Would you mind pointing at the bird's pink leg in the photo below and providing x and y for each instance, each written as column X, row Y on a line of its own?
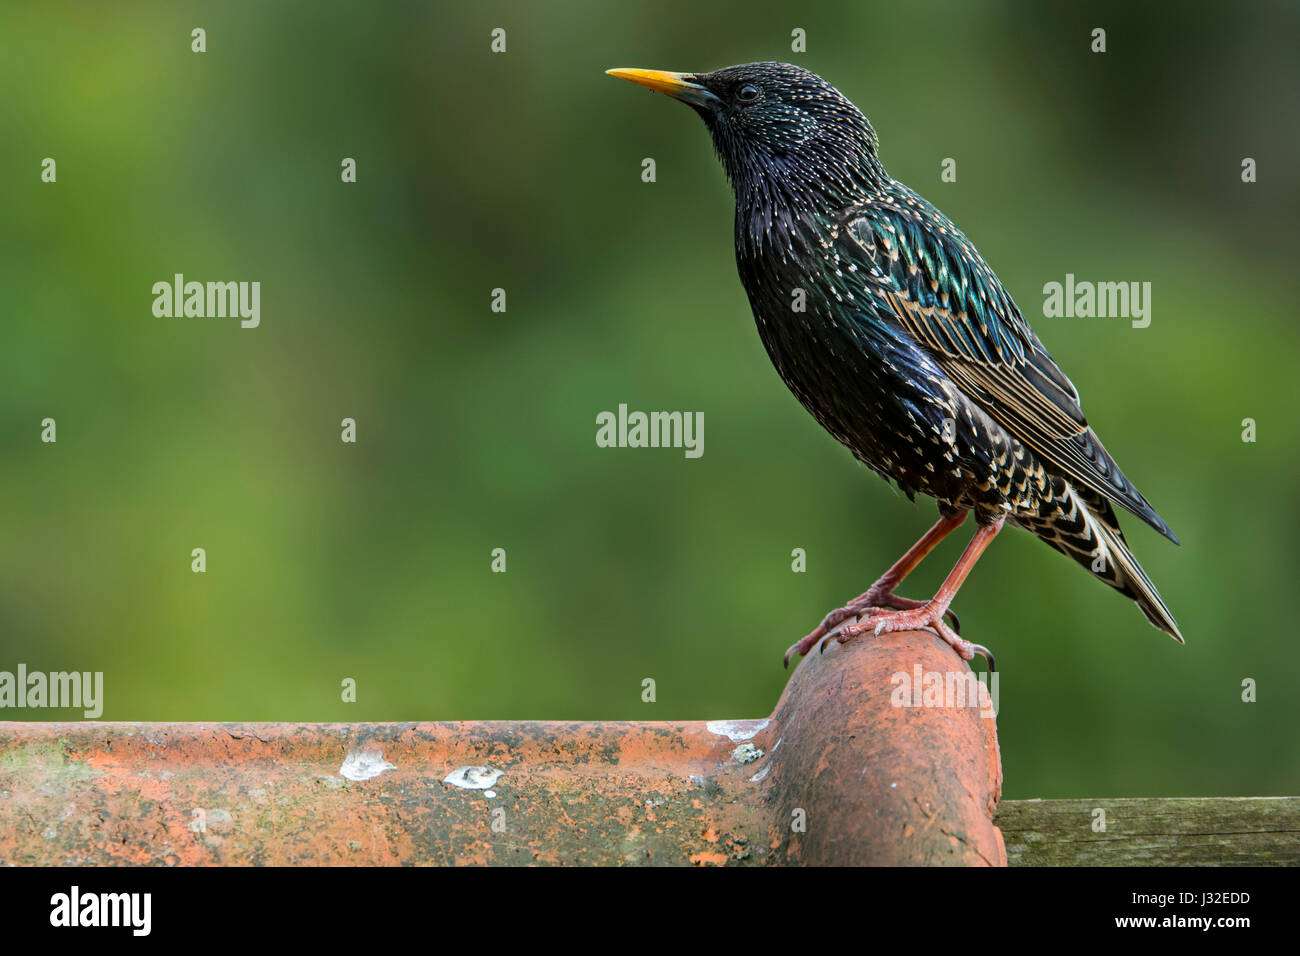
column 930, row 614
column 881, row 594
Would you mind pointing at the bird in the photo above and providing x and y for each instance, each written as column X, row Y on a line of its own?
column 889, row 327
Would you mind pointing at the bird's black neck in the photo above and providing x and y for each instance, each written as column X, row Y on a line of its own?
column 777, row 212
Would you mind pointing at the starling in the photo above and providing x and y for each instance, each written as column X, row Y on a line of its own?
column 889, row 327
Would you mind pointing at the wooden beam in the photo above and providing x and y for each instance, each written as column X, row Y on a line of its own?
column 1152, row 831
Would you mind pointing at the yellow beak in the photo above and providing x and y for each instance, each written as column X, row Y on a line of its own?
column 680, row 86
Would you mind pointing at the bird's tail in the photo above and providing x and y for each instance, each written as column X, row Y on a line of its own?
column 1087, row 531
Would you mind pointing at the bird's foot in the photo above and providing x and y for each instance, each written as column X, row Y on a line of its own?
column 929, row 615
column 874, row 598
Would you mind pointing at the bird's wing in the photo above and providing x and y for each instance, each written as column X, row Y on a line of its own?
column 921, row 268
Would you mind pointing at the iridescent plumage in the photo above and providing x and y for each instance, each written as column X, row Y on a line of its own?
column 889, row 327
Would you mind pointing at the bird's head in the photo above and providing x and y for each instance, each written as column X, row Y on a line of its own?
column 778, row 128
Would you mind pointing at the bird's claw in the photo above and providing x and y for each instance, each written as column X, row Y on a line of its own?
column 878, row 601
column 922, row 615
column 871, row 601
column 987, row 654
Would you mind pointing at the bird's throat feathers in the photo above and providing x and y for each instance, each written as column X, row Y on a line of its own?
column 775, row 192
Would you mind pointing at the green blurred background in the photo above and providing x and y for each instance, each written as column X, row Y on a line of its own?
column 476, row 429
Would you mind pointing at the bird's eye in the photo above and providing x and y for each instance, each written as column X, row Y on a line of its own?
column 747, row 93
